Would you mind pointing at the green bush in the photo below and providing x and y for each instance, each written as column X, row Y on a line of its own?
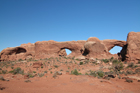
column 100, row 73
column 111, row 58
column 56, row 66
column 75, row 72
column 86, row 73
column 40, row 74
column 20, row 60
column 30, row 75
column 4, row 71
column 105, row 60
column 12, row 67
column 115, row 61
column 118, row 65
column 81, row 63
column 129, row 80
column 17, row 71
column 45, row 71
column 129, row 72
column 93, row 73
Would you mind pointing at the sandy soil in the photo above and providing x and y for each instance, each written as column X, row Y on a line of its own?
column 65, row 83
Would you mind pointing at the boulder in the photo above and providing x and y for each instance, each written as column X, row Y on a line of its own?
column 80, row 58
column 95, row 49
column 37, row 65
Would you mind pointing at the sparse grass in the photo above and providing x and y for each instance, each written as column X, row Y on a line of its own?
column 75, row 72
column 86, row 73
column 93, row 73
column 130, row 65
column 40, row 74
column 54, row 75
column 100, row 73
column 67, row 71
column 105, row 60
column 30, row 75
column 117, row 65
column 17, row 71
column 34, row 71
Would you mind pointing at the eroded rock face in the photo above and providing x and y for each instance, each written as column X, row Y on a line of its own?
column 111, row 43
column 133, row 47
column 92, row 48
column 15, row 53
column 46, row 49
column 100, row 49
column 41, row 50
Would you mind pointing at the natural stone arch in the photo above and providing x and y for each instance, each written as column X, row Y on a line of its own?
column 62, row 51
column 109, row 44
column 20, row 50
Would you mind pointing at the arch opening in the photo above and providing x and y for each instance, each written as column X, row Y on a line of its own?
column 68, row 51
column 64, row 52
column 115, row 50
column 20, row 50
column 86, row 52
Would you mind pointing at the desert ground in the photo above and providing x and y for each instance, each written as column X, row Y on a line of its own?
column 69, row 75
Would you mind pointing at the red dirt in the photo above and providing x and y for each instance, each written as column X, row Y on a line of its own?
column 65, row 83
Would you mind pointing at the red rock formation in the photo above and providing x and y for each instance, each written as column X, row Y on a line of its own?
column 92, row 48
column 111, row 43
column 100, row 49
column 133, row 47
column 46, row 49
column 15, row 53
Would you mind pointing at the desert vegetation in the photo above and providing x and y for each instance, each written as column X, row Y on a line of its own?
column 54, row 68
column 67, row 65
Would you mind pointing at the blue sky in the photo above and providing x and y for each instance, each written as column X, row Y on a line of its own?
column 24, row 21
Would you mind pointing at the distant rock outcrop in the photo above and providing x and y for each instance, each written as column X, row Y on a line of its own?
column 92, row 48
